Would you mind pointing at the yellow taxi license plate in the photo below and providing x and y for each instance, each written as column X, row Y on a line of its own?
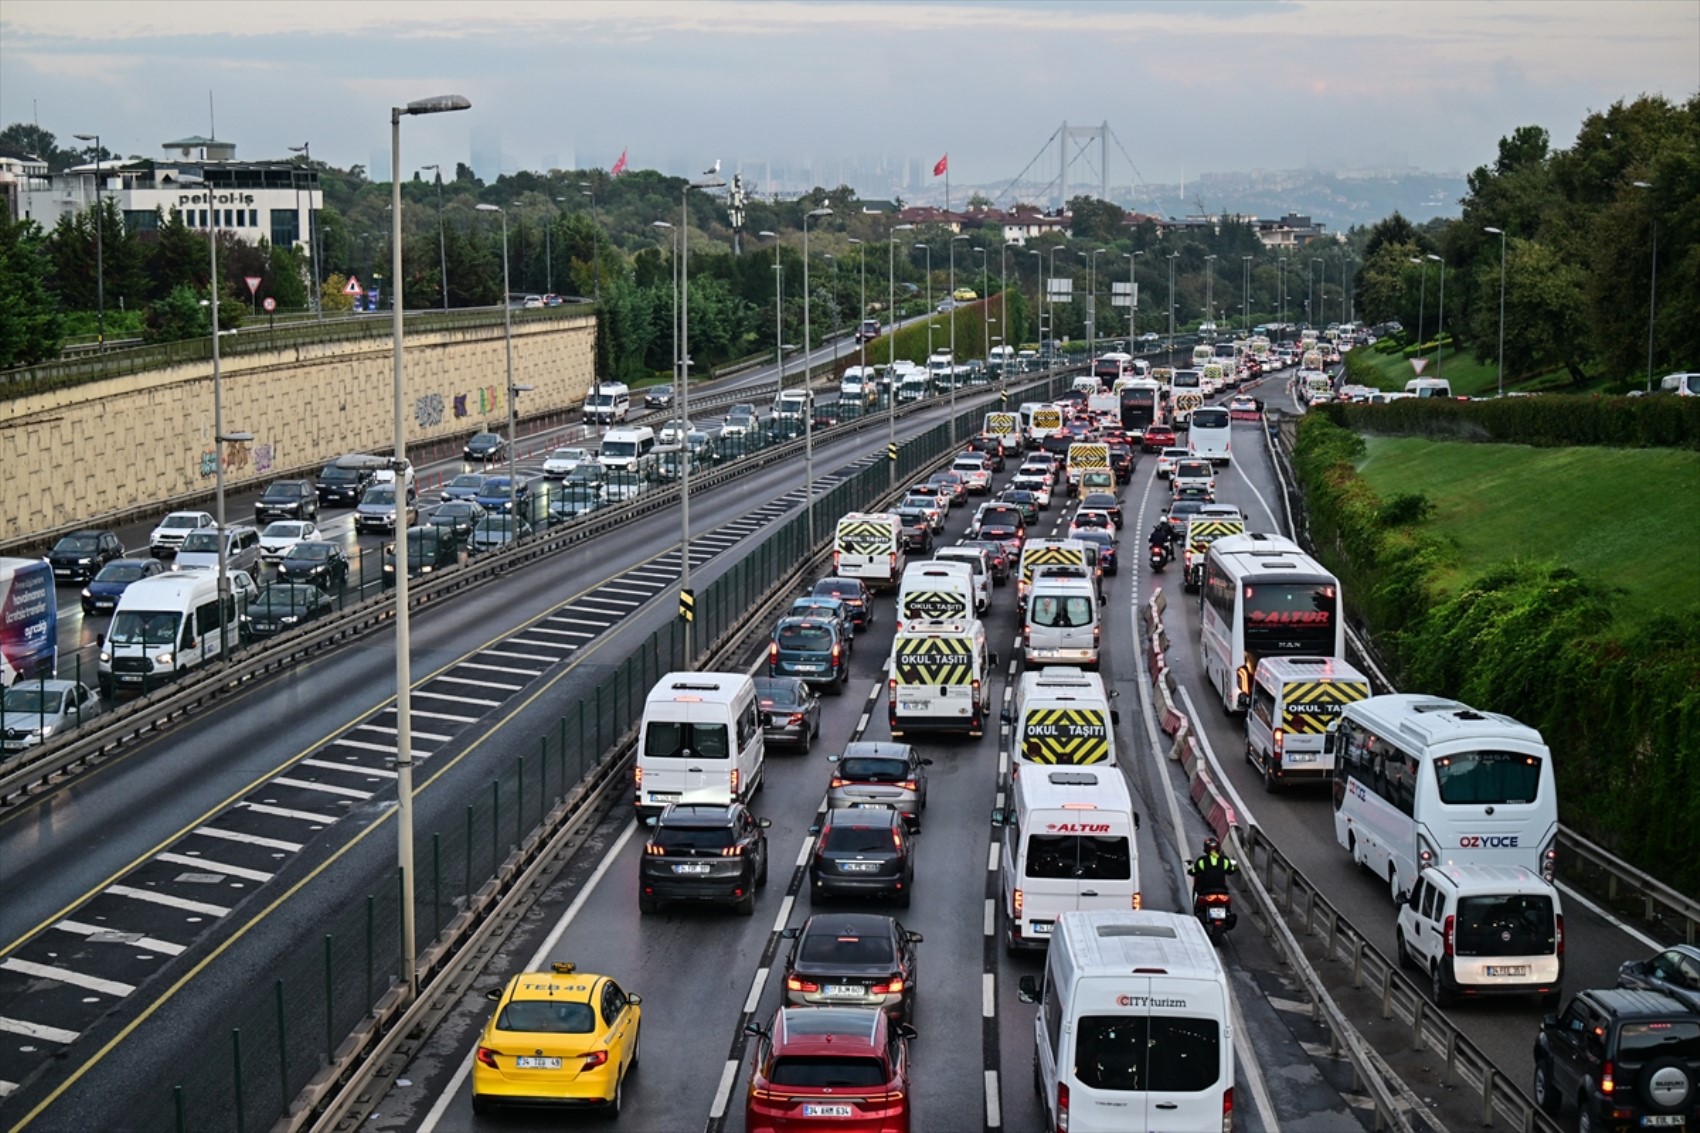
column 530, row 1062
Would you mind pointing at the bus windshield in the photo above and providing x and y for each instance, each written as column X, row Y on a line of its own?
column 1495, row 778
column 1209, row 418
column 1290, row 617
column 143, row 627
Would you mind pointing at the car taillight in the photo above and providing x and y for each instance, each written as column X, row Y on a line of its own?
column 837, row 782
column 732, row 851
column 837, row 652
column 897, row 838
column 637, row 776
column 1228, row 1110
column 655, row 851
column 773, row 653
column 1062, row 1107
column 1279, row 742
column 1608, row 1079
column 1558, row 937
column 1450, row 932
column 837, row 557
column 1018, row 902
column 792, row 983
column 1549, row 862
column 893, row 987
column 909, row 785
column 736, row 777
column 594, row 1059
column 795, row 718
column 488, row 1057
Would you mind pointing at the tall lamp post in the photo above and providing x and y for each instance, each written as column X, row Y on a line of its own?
column 305, row 149
column 953, row 370
column 403, row 667
column 709, row 180
column 1172, row 257
column 1210, row 289
column 1422, row 297
column 1003, row 299
column 587, row 189
column 99, row 245
column 1652, row 286
column 442, row 240
column 808, row 389
column 1500, row 232
column 1245, row 291
column 1317, row 313
column 778, row 307
column 220, row 439
column 1440, row 325
column 508, row 348
column 1132, row 259
column 861, row 341
column 986, row 303
column 891, row 353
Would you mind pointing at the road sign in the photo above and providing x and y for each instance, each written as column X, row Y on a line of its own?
column 1124, row 294
column 269, row 303
column 1417, row 364
column 688, row 605
column 253, row 282
column 1059, row 289
column 353, row 287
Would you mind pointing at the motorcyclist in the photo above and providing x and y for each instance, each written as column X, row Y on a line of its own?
column 1163, row 535
column 1211, row 870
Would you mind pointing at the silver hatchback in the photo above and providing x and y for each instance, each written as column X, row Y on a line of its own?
column 879, row 774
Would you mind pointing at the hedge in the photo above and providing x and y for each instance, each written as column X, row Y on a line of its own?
column 1543, row 420
column 1534, row 640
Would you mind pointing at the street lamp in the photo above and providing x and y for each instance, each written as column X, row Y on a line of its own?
column 891, row 354
column 1652, row 286
column 1500, row 232
column 587, row 189
column 1422, row 298
column 709, row 180
column 403, row 669
column 1315, row 312
column 1003, row 305
column 549, row 252
column 1210, row 289
column 985, row 303
column 1132, row 259
column 305, row 149
column 442, row 243
column 1245, row 292
column 778, row 308
column 508, row 346
column 99, row 245
column 1440, row 326
column 952, row 371
column 1172, row 257
column 808, row 394
column 861, row 340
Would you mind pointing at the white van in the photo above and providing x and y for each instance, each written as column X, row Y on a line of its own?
column 978, row 565
column 1134, row 1030
column 167, row 625
column 936, row 591
column 1293, row 701
column 1484, row 930
column 608, row 403
column 630, row 448
column 1068, row 843
column 869, row 546
column 1061, row 623
column 857, row 386
column 1429, row 387
column 940, row 678
column 939, row 365
column 700, row 741
column 200, row 549
column 1061, row 717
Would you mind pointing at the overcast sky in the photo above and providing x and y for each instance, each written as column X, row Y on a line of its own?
column 1186, row 87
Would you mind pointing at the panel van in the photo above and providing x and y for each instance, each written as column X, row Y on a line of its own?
column 165, row 626
column 700, row 741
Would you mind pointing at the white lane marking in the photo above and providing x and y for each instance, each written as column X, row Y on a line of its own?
column 784, row 913
column 1604, row 914
column 351, row 768
column 808, row 848
column 215, row 867
column 523, row 656
column 286, row 812
column 1253, row 1069
column 445, row 715
column 115, row 936
column 206, row 908
column 640, row 591
column 6, row 1088
column 248, row 839
column 594, row 603
column 862, row 724
column 479, row 684
column 753, row 1000
column 37, row 1031
column 546, row 629
column 994, row 1114
column 728, row 1076
column 988, row 995
column 452, row 1090
column 325, row 788
column 66, row 976
column 992, row 858
column 503, row 669
column 386, row 749
column 458, row 699
column 556, row 646
column 989, row 925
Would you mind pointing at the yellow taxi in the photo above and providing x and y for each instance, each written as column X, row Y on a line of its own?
column 558, row 1038
column 964, row 295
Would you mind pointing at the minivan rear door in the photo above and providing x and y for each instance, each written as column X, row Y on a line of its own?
column 1185, row 1033
column 684, row 761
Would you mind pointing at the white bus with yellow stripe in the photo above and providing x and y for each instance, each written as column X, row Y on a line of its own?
column 1293, row 701
column 869, row 546
column 939, row 678
column 1061, row 718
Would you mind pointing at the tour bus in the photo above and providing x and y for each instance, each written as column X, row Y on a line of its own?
column 166, row 625
column 701, row 741
column 1208, row 437
column 1111, row 366
column 1424, row 781
column 1264, row 597
column 1186, row 392
column 869, row 546
column 29, row 620
column 629, row 449
column 608, row 403
column 1139, row 400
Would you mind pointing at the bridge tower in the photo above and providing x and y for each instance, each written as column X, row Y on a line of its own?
column 1072, row 143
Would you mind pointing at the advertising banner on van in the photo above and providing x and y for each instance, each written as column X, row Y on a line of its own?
column 933, row 661
column 1065, row 735
column 1313, row 705
column 29, row 636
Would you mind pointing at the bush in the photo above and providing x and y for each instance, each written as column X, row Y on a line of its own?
column 1623, row 422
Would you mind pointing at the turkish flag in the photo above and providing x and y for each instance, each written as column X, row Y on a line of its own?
column 619, row 166
column 943, row 164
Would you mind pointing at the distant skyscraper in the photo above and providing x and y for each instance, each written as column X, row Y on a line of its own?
column 487, row 152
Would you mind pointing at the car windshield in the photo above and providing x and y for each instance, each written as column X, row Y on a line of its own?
column 872, row 769
column 1095, row 857
column 573, row 454
column 469, row 481
column 283, row 490
column 455, row 511
column 76, row 545
column 485, row 440
column 311, row 552
column 283, row 530
column 826, row 947
column 1496, row 778
column 547, row 1017
column 122, row 571
column 807, row 609
column 31, row 699
column 669, row 739
column 619, row 448
column 827, row 1071
column 828, row 588
column 144, row 627
column 1511, row 925
column 181, row 521
column 203, row 540
column 693, row 837
column 812, row 639
column 379, row 497
column 857, row 839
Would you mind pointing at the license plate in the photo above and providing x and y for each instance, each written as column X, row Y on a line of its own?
column 532, row 1062
column 912, row 705
column 859, row 867
column 1299, row 757
column 1509, row 970
column 1665, row 1120
column 693, row 868
column 664, row 796
column 1218, row 914
column 129, row 679
column 845, row 991
column 1041, row 928
column 811, row 1110
column 807, row 668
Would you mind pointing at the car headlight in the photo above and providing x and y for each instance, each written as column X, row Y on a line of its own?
column 105, row 657
column 44, row 731
column 87, row 593
column 163, row 658
column 289, row 619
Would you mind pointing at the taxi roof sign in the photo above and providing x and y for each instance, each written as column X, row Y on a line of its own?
column 563, row 967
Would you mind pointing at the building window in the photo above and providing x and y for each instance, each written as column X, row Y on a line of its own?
column 229, row 220
column 253, row 218
column 285, row 228
column 241, row 218
column 203, row 221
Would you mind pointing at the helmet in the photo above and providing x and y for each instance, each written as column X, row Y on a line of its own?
column 1211, row 846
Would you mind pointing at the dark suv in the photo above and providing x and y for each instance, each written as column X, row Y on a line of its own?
column 863, row 852
column 1626, row 1058
column 287, row 499
column 704, row 852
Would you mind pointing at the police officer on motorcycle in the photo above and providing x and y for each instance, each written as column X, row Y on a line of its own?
column 1163, row 535
column 1211, row 870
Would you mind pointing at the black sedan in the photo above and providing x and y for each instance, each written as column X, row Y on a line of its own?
column 1103, row 501
column 456, row 519
column 790, row 711
column 917, row 528
column 859, row 959
column 79, row 556
column 323, row 564
column 283, row 605
column 853, row 592
column 1026, row 501
column 486, row 447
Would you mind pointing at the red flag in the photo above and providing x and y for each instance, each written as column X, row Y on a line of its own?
column 619, row 166
column 943, row 164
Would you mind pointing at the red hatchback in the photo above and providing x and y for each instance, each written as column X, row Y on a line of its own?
column 1158, row 438
column 840, row 1068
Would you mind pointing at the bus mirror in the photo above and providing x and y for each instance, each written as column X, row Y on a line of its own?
column 1328, row 743
column 998, row 816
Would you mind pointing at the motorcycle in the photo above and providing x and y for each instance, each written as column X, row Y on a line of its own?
column 1215, row 911
column 1159, row 556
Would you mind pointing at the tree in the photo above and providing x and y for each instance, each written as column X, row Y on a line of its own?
column 332, row 300
column 30, row 329
column 178, row 316
column 1093, row 219
column 1384, row 284
column 32, row 139
column 979, row 201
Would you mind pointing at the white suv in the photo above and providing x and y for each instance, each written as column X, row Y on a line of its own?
column 174, row 528
column 1484, row 930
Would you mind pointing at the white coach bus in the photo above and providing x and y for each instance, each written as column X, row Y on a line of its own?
column 1264, row 597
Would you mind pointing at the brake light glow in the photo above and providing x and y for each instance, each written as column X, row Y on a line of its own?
column 1062, row 1107
column 896, row 838
column 837, row 654
column 773, row 653
column 1450, row 932
column 893, row 987
column 1280, row 742
column 795, row 718
column 736, row 776
column 1138, row 899
column 488, row 1057
column 1018, row 902
column 1608, row 1079
column 1228, row 1110
column 655, row 851
column 732, row 851
column 909, row 785
column 792, row 983
column 837, row 782
column 594, row 1059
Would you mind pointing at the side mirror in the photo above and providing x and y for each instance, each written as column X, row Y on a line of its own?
column 1115, row 693
column 764, row 823
column 905, row 1031
column 1549, row 1021
column 1328, row 743
column 1136, row 820
column 1027, row 989
column 926, row 762
column 754, row 1029
column 915, row 938
column 100, row 641
column 1115, row 717
column 1007, row 716
column 833, row 758
column 634, row 998
column 1000, row 816
column 493, row 993
column 652, row 820
column 815, row 829
column 790, row 933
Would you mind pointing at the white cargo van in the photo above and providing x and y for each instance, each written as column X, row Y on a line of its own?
column 1061, row 717
column 700, row 741
column 978, row 564
column 1134, row 1031
column 1061, row 622
column 630, row 449
column 936, row 591
column 869, row 546
column 858, row 387
column 608, row 403
column 940, row 678
column 1429, row 387
column 166, row 625
column 1068, row 843
column 1478, row 930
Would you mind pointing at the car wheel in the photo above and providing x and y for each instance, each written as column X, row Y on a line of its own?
column 483, row 1105
column 1437, row 988
column 647, row 905
column 637, row 1050
column 761, row 878
column 1551, row 1001
column 1545, row 1095
column 1584, row 1119
column 746, row 905
column 615, row 1103
column 1405, row 960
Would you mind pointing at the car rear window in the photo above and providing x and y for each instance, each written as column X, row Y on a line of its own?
column 1061, row 613
column 1642, row 1041
column 547, row 1016
column 694, row 837
column 1078, row 856
column 680, row 740
column 809, row 638
column 1136, row 1053
column 857, row 839
column 870, row 769
column 820, row 1072
column 1512, row 925
column 841, row 948
column 121, row 572
column 778, row 696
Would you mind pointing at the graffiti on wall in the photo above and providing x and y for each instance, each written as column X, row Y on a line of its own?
column 238, row 456
column 428, row 410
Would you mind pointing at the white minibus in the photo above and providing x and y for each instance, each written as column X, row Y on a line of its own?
column 700, row 741
column 630, row 449
column 166, row 625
